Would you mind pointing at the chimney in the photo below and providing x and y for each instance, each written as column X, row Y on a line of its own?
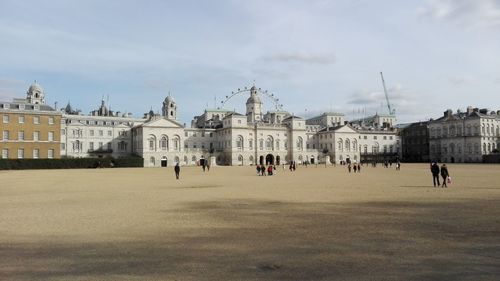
column 469, row 110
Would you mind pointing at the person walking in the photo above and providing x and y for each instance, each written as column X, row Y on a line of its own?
column 359, row 168
column 435, row 173
column 270, row 170
column 349, row 167
column 177, row 170
column 444, row 175
column 258, row 170
column 355, row 167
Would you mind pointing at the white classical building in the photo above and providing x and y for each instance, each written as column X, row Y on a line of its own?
column 464, row 136
column 100, row 134
column 222, row 137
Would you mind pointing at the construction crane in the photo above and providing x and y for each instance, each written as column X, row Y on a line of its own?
column 391, row 111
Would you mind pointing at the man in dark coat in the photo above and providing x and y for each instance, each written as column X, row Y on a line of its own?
column 435, row 173
column 177, row 170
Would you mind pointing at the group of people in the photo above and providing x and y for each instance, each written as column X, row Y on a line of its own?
column 435, row 170
column 261, row 170
column 356, row 167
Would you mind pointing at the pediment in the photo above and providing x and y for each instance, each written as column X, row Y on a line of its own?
column 162, row 123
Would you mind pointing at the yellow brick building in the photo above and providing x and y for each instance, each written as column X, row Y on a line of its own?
column 30, row 129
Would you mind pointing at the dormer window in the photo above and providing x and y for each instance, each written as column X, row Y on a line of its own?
column 36, row 107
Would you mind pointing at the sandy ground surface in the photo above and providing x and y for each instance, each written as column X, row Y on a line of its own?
column 230, row 224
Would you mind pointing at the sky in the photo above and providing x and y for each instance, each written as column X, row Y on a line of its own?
column 315, row 56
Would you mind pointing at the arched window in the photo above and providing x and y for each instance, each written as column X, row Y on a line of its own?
column 251, row 160
column 152, row 142
column 452, row 148
column 261, row 144
column 185, row 160
column 193, row 159
column 152, row 161
column 164, row 143
column 354, row 145
column 269, row 143
column 239, row 143
column 489, row 148
column 347, row 145
column 300, row 143
column 484, row 148
column 176, row 143
column 340, row 144
column 277, row 144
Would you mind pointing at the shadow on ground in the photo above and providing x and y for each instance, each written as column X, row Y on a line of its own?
column 287, row 241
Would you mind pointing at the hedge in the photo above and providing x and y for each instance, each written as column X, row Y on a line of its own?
column 70, row 163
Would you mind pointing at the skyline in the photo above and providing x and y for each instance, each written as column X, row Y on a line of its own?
column 313, row 55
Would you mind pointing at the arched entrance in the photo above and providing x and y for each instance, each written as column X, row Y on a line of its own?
column 164, row 161
column 278, row 160
column 261, row 160
column 269, row 159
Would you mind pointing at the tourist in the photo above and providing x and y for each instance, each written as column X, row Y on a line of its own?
column 262, row 170
column 177, row 170
column 398, row 166
column 293, row 166
column 359, row 168
column 444, row 174
column 349, row 167
column 270, row 170
column 435, row 173
column 355, row 167
column 258, row 170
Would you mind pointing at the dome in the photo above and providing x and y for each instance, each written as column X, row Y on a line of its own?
column 169, row 99
column 254, row 99
column 35, row 87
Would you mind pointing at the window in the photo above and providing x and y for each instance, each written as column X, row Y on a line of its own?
column 50, row 153
column 109, row 146
column 91, row 133
column 51, row 120
column 51, row 136
column 164, row 143
column 5, row 153
column 20, row 135
column 63, row 146
column 63, row 132
column 36, row 136
column 36, row 119
column 5, row 135
column 21, row 119
column 6, row 119
column 110, row 133
column 374, row 137
column 101, row 133
column 36, row 153
column 20, row 153
column 91, row 146
column 100, row 145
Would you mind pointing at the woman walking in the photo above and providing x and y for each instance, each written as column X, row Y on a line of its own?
column 445, row 175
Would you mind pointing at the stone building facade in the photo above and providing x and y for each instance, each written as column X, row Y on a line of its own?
column 30, row 128
column 464, row 136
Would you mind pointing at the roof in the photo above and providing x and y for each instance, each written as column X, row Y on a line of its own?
column 27, row 106
column 293, row 117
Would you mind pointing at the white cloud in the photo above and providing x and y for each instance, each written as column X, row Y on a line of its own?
column 472, row 14
column 301, row 57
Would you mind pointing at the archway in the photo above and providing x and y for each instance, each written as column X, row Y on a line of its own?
column 278, row 160
column 269, row 159
column 261, row 160
column 164, row 161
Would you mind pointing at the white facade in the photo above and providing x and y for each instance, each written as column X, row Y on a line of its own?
column 96, row 136
column 464, row 136
column 227, row 137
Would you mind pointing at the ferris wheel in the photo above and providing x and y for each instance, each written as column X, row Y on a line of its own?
column 276, row 101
